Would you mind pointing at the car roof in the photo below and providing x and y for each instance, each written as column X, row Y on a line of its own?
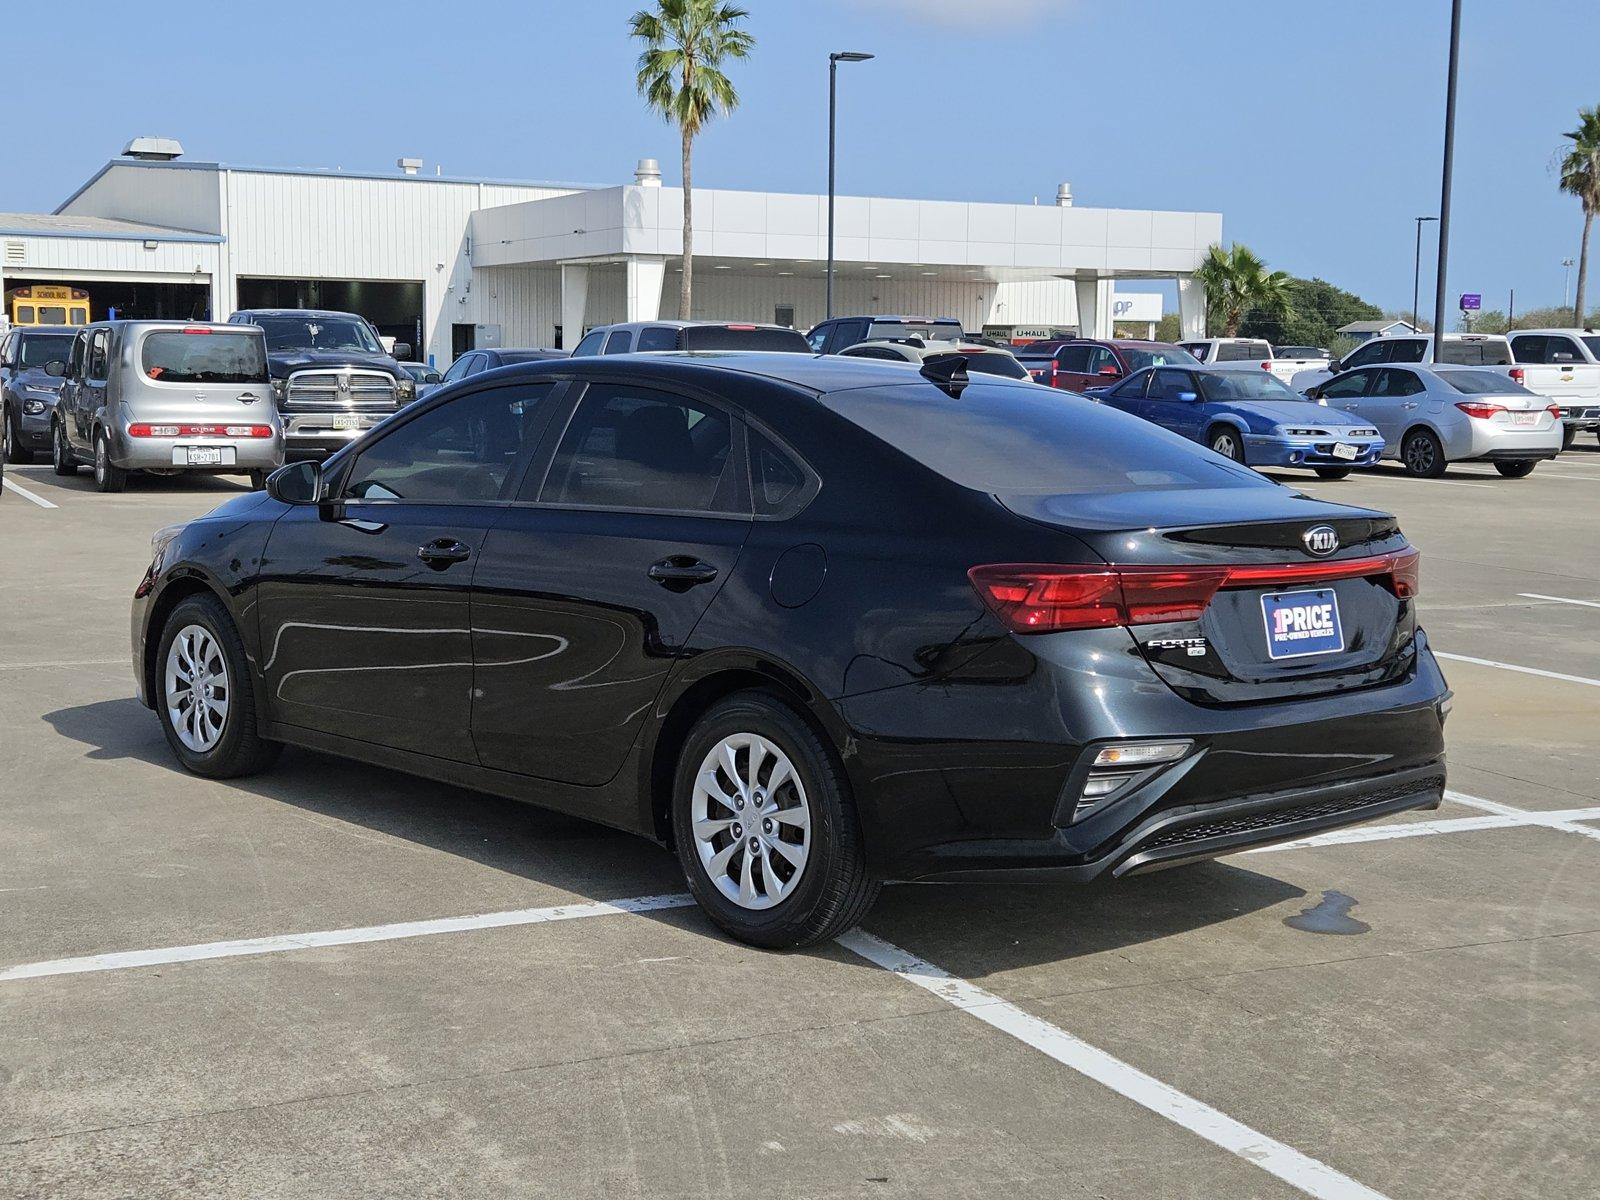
column 1569, row 329
column 675, row 324
column 25, row 330
column 295, row 312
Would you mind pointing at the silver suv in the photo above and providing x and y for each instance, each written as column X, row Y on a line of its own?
column 166, row 397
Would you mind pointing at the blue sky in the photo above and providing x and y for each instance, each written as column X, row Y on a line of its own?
column 1314, row 128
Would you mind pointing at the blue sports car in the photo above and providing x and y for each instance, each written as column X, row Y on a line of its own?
column 1248, row 416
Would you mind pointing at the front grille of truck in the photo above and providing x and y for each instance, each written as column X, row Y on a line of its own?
column 352, row 390
column 1258, row 821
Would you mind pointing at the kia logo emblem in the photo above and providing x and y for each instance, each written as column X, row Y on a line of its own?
column 1321, row 540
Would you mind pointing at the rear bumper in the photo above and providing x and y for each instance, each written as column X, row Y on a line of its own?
column 159, row 454
column 1584, row 415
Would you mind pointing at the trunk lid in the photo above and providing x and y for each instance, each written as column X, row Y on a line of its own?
column 1284, row 621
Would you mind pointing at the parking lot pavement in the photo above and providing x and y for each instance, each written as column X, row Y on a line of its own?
column 1407, row 1011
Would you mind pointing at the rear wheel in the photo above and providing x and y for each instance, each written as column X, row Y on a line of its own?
column 203, row 693
column 766, row 828
column 108, row 477
column 1227, row 442
column 1423, row 454
column 1333, row 472
column 11, row 439
column 258, row 481
column 1515, row 470
column 61, row 460
column 1569, row 434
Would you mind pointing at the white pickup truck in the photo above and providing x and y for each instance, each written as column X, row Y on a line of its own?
column 1563, row 364
column 1248, row 354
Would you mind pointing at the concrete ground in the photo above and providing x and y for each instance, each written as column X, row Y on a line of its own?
column 1399, row 1016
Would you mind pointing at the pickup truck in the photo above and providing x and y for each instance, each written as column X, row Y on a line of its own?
column 1563, row 364
column 1242, row 354
column 1573, row 386
column 332, row 379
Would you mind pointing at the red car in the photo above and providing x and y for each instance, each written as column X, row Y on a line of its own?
column 1087, row 362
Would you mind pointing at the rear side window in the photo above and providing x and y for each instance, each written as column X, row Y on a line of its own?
column 1481, row 383
column 1073, row 359
column 222, row 356
column 1410, row 350
column 778, row 482
column 1491, row 352
column 590, row 343
column 748, row 337
column 1243, row 351
column 618, row 342
column 658, row 337
column 636, row 448
column 1008, row 439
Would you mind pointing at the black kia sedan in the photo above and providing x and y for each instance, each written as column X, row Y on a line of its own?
column 814, row 623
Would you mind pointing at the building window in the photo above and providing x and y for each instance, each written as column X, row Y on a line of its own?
column 783, row 314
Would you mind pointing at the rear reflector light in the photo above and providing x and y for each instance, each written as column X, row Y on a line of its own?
column 1040, row 598
column 1518, row 375
column 1478, row 409
column 172, row 431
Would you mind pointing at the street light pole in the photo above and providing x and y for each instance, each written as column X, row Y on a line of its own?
column 1444, row 186
column 1416, row 274
column 833, row 107
column 1566, row 281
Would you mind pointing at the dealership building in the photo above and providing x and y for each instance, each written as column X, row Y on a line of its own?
column 447, row 263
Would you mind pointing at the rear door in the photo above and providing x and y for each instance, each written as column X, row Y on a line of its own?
column 588, row 590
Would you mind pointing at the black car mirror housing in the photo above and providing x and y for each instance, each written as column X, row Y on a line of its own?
column 55, row 368
column 298, row 483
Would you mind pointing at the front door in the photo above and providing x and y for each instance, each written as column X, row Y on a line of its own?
column 365, row 602
column 1348, row 393
column 1172, row 402
column 587, row 592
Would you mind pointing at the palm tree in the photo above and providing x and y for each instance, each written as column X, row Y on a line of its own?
column 1236, row 281
column 680, row 77
column 1580, row 177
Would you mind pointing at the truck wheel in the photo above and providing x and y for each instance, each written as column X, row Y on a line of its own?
column 108, row 477
column 1569, row 434
column 258, row 481
column 765, row 826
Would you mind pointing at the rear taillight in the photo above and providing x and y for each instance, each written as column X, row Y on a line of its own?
column 1518, row 375
column 1478, row 409
column 1055, row 373
column 172, row 431
column 1266, row 366
column 1554, row 410
column 1043, row 598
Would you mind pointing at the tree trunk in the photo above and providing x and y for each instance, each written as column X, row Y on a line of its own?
column 686, row 282
column 1583, row 268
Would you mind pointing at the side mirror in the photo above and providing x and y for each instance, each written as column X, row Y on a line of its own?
column 297, row 483
column 1188, row 397
column 402, row 351
column 55, row 368
column 1313, row 393
column 1109, row 373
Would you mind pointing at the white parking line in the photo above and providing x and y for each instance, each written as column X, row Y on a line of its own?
column 1511, row 818
column 1560, row 599
column 1288, row 1164
column 1489, row 662
column 55, row 663
column 27, row 495
column 341, row 937
column 1564, row 818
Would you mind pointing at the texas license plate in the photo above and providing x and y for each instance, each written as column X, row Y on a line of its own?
column 1302, row 623
column 1524, row 418
column 205, row 456
column 1346, row 450
column 346, row 421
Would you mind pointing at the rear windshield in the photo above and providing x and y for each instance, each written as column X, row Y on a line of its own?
column 1593, row 343
column 1481, row 383
column 1242, row 351
column 996, row 364
column 1491, row 352
column 1245, row 385
column 38, row 350
column 1010, row 438
column 928, row 331
column 731, row 337
column 1171, row 356
column 205, row 357
column 522, row 356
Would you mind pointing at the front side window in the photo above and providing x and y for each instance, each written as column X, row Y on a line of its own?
column 204, row 356
column 319, row 333
column 818, row 338
column 1409, row 350
column 618, row 342
column 590, row 344
column 458, row 369
column 1132, row 388
column 637, row 448
column 80, row 351
column 462, row 451
column 1347, row 387
column 1372, row 352
column 98, row 359
column 1100, row 358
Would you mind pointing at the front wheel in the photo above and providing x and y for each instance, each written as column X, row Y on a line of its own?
column 1333, row 472
column 1423, row 454
column 1515, row 470
column 766, row 828
column 11, row 440
column 108, row 477
column 203, row 693
column 1226, row 442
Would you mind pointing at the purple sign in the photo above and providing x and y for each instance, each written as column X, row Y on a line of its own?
column 1471, row 301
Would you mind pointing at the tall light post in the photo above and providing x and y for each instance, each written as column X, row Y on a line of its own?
column 1566, row 281
column 1416, row 274
column 834, row 60
column 1444, row 186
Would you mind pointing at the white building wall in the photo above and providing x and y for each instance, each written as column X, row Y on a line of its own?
column 176, row 197
column 119, row 258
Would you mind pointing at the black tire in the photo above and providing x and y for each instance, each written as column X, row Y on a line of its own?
column 1515, row 470
column 11, row 434
column 240, row 750
column 108, row 477
column 1423, row 454
column 1226, row 441
column 1569, row 434
column 61, row 460
column 1334, row 472
column 834, row 889
column 258, row 481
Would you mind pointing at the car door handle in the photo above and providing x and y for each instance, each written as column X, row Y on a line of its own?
column 442, row 552
column 680, row 572
column 1409, row 404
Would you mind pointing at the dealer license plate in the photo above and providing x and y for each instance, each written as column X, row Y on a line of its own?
column 1302, row 623
column 1524, row 418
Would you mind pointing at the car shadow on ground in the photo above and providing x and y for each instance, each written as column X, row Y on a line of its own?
column 974, row 929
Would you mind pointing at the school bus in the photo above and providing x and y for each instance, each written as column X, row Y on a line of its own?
column 43, row 304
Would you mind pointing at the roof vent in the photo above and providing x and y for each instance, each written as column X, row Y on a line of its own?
column 409, row 165
column 154, row 149
column 647, row 173
column 1064, row 196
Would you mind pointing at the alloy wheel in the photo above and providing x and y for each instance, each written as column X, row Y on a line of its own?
column 58, row 447
column 1223, row 444
column 102, row 460
column 751, row 821
column 1419, row 455
column 197, row 689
